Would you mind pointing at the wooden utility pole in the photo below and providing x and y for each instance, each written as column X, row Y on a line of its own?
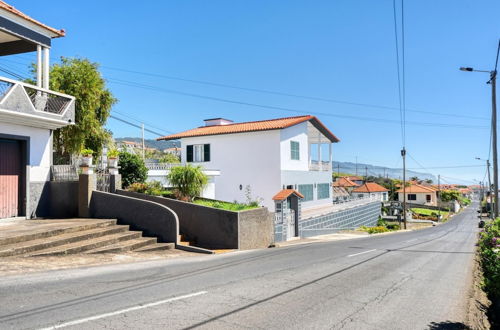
column 493, row 79
column 439, row 196
column 489, row 188
column 403, row 154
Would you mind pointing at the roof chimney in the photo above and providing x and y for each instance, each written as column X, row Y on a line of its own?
column 217, row 122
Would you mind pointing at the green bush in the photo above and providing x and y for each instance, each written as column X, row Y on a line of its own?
column 188, row 181
column 392, row 227
column 489, row 251
column 132, row 169
column 381, row 222
column 377, row 230
column 225, row 205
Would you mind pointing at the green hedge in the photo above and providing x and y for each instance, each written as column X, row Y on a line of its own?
column 489, row 251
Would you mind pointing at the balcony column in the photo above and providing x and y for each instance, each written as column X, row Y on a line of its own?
column 39, row 65
column 320, row 164
column 309, row 154
column 46, row 67
column 330, row 158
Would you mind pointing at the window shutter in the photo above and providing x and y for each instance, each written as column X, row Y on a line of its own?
column 206, row 152
column 189, row 154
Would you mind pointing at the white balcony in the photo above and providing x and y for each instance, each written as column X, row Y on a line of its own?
column 320, row 166
column 29, row 105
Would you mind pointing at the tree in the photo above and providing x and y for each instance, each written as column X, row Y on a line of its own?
column 82, row 79
column 188, row 181
column 449, row 195
column 132, row 169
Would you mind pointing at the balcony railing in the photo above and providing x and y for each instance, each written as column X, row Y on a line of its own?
column 14, row 94
column 320, row 166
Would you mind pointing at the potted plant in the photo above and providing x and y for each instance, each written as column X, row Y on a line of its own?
column 86, row 157
column 113, row 158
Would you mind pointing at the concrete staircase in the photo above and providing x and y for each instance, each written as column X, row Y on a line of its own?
column 78, row 236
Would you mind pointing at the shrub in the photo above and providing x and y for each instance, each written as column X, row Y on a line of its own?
column 188, row 181
column 137, row 187
column 377, row 230
column 489, row 251
column 381, row 222
column 393, row 227
column 132, row 169
column 86, row 152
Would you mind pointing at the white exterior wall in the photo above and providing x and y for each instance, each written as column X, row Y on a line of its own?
column 295, row 172
column 421, row 198
column 382, row 195
column 40, row 149
column 296, row 133
column 251, row 159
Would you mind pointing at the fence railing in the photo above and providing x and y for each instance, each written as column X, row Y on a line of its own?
column 42, row 99
column 63, row 173
column 320, row 166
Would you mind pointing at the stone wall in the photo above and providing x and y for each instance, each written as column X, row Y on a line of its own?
column 213, row 228
column 153, row 219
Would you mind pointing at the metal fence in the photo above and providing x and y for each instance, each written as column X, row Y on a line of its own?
column 63, row 173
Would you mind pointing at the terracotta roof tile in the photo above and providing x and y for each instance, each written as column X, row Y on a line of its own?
column 344, row 182
column 417, row 188
column 252, row 126
column 282, row 195
column 9, row 8
column 369, row 187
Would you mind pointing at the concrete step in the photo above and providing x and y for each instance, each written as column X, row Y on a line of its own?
column 130, row 245
column 44, row 233
column 156, row 247
column 28, row 247
column 90, row 244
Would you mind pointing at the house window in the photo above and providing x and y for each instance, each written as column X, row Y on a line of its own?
column 307, row 191
column 323, row 190
column 198, row 153
column 295, row 150
column 412, row 197
column 428, row 198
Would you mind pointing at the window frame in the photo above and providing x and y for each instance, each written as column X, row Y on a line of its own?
column 294, row 152
column 323, row 185
column 198, row 153
column 306, row 194
column 412, row 199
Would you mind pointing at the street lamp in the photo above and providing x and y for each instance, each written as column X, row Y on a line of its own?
column 492, row 81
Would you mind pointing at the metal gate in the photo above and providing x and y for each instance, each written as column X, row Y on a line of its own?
column 10, row 177
column 102, row 176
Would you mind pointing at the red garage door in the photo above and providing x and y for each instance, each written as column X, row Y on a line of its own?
column 10, row 177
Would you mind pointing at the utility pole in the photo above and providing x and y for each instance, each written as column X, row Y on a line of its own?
column 143, row 145
column 338, row 170
column 493, row 79
column 439, row 196
column 356, row 165
column 489, row 187
column 403, row 154
column 366, row 173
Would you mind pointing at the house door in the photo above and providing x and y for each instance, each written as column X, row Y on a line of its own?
column 10, row 177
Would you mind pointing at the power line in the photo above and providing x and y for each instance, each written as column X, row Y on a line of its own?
column 315, row 98
column 121, row 113
column 404, row 73
column 286, row 109
column 134, row 125
column 398, row 69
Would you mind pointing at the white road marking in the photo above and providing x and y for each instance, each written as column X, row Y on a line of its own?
column 357, row 254
column 122, row 311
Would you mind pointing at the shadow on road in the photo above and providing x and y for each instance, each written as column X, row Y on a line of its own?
column 448, row 325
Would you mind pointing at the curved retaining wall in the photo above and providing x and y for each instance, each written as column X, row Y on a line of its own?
column 213, row 228
column 153, row 219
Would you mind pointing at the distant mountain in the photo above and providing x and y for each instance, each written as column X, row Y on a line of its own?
column 395, row 173
column 150, row 143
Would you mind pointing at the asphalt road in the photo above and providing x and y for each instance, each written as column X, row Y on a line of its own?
column 412, row 280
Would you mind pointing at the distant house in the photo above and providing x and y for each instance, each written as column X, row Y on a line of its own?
column 346, row 183
column 173, row 151
column 262, row 158
column 371, row 189
column 356, row 179
column 419, row 194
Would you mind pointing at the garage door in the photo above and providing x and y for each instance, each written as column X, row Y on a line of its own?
column 10, row 177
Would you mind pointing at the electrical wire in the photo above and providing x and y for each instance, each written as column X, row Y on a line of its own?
column 134, row 125
column 396, row 38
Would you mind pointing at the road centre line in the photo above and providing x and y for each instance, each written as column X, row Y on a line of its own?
column 357, row 254
column 122, row 311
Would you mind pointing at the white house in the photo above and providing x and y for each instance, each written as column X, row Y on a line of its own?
column 371, row 189
column 264, row 157
column 419, row 194
column 28, row 116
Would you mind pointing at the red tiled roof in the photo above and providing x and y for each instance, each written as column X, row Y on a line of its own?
column 282, row 195
column 369, row 187
column 252, row 126
column 344, row 182
column 417, row 188
column 355, row 178
column 9, row 8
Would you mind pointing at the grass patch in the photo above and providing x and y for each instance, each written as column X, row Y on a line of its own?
column 225, row 205
column 430, row 213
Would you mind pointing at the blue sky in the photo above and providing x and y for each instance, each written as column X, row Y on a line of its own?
column 336, row 50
